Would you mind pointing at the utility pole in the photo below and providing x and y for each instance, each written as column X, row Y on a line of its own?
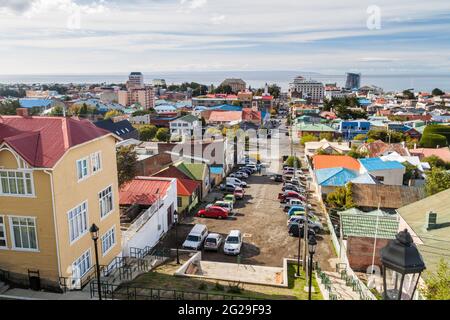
column 305, row 229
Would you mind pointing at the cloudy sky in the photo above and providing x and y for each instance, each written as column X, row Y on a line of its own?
column 327, row 36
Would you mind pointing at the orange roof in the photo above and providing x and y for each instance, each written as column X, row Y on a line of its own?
column 443, row 153
column 250, row 114
column 333, row 161
column 225, row 116
column 143, row 190
column 186, row 187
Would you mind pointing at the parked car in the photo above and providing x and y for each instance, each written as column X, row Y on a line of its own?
column 227, row 187
column 296, row 229
column 288, row 170
column 213, row 212
column 239, row 175
column 230, row 198
column 290, row 202
column 253, row 167
column 291, row 187
column 233, row 243
column 239, row 193
column 236, row 182
column 295, row 182
column 314, row 225
column 196, row 236
column 283, row 196
column 223, row 204
column 278, row 178
column 248, row 171
column 213, row 242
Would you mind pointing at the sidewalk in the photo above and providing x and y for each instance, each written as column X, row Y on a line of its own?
column 24, row 294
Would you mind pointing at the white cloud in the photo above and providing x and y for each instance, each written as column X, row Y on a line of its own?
column 217, row 19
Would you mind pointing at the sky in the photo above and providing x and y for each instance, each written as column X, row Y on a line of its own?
column 325, row 36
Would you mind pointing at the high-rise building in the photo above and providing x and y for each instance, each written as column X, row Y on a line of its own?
column 353, row 81
column 237, row 85
column 135, row 79
column 307, row 89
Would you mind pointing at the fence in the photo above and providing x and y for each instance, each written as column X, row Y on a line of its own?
column 352, row 280
column 127, row 292
column 325, row 285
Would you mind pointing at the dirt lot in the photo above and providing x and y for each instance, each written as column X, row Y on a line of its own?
column 263, row 224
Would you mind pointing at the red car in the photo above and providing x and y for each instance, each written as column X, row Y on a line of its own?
column 290, row 194
column 213, row 212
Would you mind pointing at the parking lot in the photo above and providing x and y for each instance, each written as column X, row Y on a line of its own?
column 263, row 225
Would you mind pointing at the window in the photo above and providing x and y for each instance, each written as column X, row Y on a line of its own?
column 78, row 224
column 108, row 240
column 23, row 231
column 179, row 202
column 2, row 232
column 379, row 178
column 81, row 265
column 16, row 183
column 82, row 168
column 96, row 162
column 105, row 198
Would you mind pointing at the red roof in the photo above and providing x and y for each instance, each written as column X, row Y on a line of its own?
column 42, row 141
column 333, row 161
column 143, row 190
column 249, row 114
column 172, row 172
column 443, row 153
column 186, row 187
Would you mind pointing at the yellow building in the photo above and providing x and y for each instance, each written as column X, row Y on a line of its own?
column 58, row 176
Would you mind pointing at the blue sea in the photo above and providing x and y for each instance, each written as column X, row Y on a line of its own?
column 255, row 79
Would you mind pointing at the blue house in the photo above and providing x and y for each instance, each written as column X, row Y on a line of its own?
column 351, row 128
column 37, row 104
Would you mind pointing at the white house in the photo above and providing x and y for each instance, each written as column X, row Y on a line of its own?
column 147, row 208
column 186, row 126
column 386, row 172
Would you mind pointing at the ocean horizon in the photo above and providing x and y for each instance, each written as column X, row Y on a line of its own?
column 255, row 79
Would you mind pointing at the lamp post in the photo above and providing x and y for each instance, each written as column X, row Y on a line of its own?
column 94, row 234
column 312, row 244
column 402, row 265
column 299, row 252
column 175, row 218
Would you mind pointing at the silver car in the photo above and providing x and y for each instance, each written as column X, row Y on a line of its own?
column 213, row 242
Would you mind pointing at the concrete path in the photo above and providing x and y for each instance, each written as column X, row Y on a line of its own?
column 338, row 285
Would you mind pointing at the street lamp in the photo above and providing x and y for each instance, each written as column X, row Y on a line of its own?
column 312, row 244
column 299, row 252
column 402, row 265
column 94, row 235
column 175, row 218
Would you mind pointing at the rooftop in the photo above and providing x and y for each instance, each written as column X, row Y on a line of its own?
column 372, row 224
column 143, row 190
column 335, row 161
column 335, row 176
column 302, row 126
column 375, row 164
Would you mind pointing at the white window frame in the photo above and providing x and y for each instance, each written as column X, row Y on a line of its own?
column 94, row 157
column 13, row 239
column 108, row 234
column 24, row 172
column 100, row 198
column 3, row 225
column 90, row 264
column 84, row 177
column 80, row 235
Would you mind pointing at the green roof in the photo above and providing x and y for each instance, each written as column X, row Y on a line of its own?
column 319, row 127
column 372, row 224
column 188, row 118
column 193, row 170
column 433, row 244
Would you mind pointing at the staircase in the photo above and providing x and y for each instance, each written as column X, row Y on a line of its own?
column 340, row 287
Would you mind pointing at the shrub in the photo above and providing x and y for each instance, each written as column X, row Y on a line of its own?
column 203, row 286
column 234, row 288
column 219, row 287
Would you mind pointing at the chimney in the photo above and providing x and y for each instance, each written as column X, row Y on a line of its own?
column 22, row 112
column 431, row 222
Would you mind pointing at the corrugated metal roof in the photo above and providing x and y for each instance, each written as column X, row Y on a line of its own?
column 143, row 191
column 334, row 176
column 375, row 164
column 369, row 224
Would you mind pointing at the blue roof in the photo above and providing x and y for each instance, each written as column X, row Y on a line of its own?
column 364, row 101
column 31, row 103
column 165, row 106
column 374, row 164
column 364, row 178
column 226, row 107
column 216, row 170
column 335, row 176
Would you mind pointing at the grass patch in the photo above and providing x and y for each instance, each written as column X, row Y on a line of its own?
column 297, row 285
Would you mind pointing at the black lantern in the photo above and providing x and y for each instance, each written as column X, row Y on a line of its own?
column 94, row 232
column 312, row 243
column 175, row 219
column 402, row 265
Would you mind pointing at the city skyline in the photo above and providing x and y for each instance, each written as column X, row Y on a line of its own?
column 82, row 37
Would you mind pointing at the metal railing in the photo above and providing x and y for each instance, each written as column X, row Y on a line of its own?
column 141, row 220
column 326, row 282
column 72, row 283
column 351, row 280
column 128, row 292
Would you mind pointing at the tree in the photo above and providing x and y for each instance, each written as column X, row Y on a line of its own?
column 435, row 135
column 354, row 153
column 437, row 283
column 290, row 161
column 162, row 134
column 308, row 138
column 408, row 94
column 224, row 89
column 437, row 180
column 327, row 136
column 147, row 132
column 437, row 92
column 436, row 162
column 360, row 137
column 112, row 113
column 341, row 198
column 57, row 111
column 127, row 161
column 8, row 107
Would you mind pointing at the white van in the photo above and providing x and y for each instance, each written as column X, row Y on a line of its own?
column 233, row 243
column 236, row 182
column 195, row 238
